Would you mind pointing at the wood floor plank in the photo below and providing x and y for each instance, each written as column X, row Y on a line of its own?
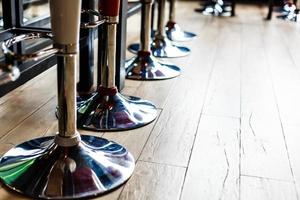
column 154, row 182
column 285, row 69
column 263, row 145
column 23, row 104
column 35, row 126
column 176, row 128
column 292, row 137
column 253, row 188
column 223, row 97
column 213, row 171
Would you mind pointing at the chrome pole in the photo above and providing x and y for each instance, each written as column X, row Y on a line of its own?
column 172, row 12
column 111, row 50
column 66, row 39
column 146, row 25
column 161, row 17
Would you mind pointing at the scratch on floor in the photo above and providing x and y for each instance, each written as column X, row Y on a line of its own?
column 254, row 134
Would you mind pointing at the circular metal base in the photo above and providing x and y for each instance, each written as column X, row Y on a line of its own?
column 163, row 48
column 115, row 113
column 41, row 169
column 216, row 8
column 175, row 33
column 290, row 16
column 146, row 67
column 134, row 48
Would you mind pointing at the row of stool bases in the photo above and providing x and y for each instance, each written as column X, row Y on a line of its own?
column 69, row 165
column 288, row 11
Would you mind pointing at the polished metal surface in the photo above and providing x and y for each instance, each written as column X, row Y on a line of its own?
column 41, row 169
column 9, row 55
column 149, row 68
column 216, row 8
column 289, row 13
column 175, row 33
column 115, row 113
column 8, row 73
column 111, row 54
column 163, row 48
column 66, row 166
column 144, row 66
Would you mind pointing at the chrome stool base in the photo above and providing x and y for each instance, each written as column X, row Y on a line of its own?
column 175, row 33
column 115, row 112
column 290, row 16
column 217, row 8
column 163, row 48
column 41, row 169
column 145, row 67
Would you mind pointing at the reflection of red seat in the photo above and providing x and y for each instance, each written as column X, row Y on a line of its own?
column 85, row 180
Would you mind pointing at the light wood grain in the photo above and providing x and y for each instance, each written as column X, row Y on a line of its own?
column 285, row 69
column 175, row 130
column 154, row 182
column 223, row 97
column 292, row 137
column 266, row 189
column 262, row 139
column 213, row 171
column 23, row 104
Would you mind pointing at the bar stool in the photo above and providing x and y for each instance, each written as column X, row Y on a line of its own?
column 218, row 8
column 161, row 46
column 289, row 11
column 66, row 166
column 144, row 66
column 107, row 109
column 173, row 30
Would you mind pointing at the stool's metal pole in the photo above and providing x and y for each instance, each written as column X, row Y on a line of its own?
column 146, row 25
column 108, row 110
column 63, row 166
column 144, row 66
column 66, row 68
column 111, row 50
column 161, row 18
column 173, row 30
column 172, row 10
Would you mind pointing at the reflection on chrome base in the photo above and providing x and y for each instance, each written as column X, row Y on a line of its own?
column 111, row 111
column 290, row 14
column 41, row 169
column 175, row 33
column 145, row 67
column 163, row 48
column 216, row 8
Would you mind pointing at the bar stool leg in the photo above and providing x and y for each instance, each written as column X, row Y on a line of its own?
column 67, row 166
column 144, row 66
column 161, row 46
column 218, row 8
column 290, row 11
column 173, row 30
column 108, row 110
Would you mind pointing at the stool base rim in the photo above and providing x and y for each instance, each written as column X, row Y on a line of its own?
column 39, row 168
column 115, row 113
column 149, row 68
column 176, row 34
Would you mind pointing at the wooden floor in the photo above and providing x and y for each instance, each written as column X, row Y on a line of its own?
column 229, row 126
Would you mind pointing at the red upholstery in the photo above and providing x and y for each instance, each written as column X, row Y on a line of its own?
column 110, row 8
